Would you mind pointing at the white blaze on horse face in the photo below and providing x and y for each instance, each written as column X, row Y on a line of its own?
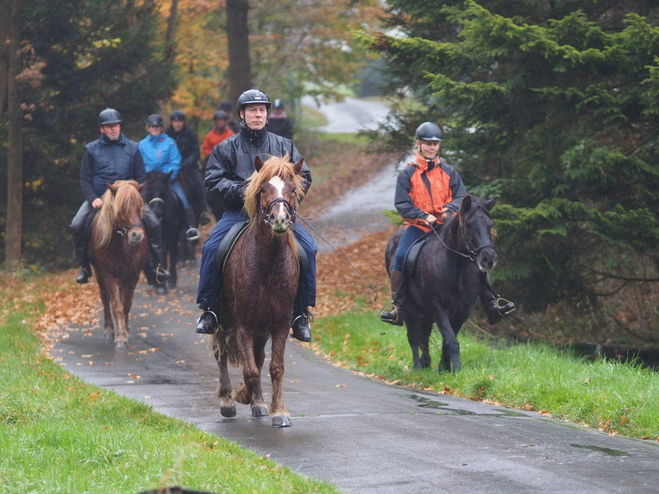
column 279, row 216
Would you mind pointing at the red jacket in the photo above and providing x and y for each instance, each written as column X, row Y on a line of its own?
column 212, row 139
column 424, row 189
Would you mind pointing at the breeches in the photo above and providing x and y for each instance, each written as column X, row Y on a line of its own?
column 410, row 235
column 180, row 193
column 210, row 280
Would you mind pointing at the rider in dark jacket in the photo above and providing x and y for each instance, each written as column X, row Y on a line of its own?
column 230, row 164
column 188, row 145
column 109, row 158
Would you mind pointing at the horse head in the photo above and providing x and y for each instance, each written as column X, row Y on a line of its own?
column 157, row 188
column 476, row 227
column 274, row 191
column 127, row 207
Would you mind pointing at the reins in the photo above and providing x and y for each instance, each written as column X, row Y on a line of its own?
column 472, row 252
column 342, row 257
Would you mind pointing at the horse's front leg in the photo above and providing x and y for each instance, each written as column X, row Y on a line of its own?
column 119, row 315
column 450, row 345
column 244, row 393
column 280, row 416
column 108, row 328
column 227, row 405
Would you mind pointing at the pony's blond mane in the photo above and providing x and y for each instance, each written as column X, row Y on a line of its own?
column 115, row 205
column 273, row 167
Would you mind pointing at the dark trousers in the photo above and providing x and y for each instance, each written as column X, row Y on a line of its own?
column 410, row 235
column 210, row 280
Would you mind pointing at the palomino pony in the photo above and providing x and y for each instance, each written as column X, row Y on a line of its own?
column 119, row 250
column 260, row 281
column 162, row 200
column 446, row 280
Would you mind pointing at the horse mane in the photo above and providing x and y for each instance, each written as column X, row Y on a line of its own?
column 273, row 167
column 115, row 205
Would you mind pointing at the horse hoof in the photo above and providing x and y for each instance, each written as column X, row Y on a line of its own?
column 120, row 345
column 228, row 411
column 108, row 336
column 259, row 412
column 281, row 421
column 161, row 290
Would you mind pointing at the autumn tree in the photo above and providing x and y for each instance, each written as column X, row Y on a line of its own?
column 552, row 106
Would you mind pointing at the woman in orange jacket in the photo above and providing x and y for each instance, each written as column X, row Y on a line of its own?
column 428, row 191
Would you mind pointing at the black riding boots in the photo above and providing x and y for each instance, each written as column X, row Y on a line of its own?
column 191, row 233
column 155, row 271
column 207, row 322
column 302, row 323
column 393, row 312
column 490, row 301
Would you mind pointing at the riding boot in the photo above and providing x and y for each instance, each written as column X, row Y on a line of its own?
column 490, row 301
column 302, row 323
column 191, row 233
column 82, row 257
column 398, row 295
column 156, row 271
column 207, row 322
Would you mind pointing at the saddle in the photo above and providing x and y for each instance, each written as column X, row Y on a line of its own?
column 232, row 236
column 412, row 256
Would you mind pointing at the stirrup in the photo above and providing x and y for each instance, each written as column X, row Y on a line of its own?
column 192, row 234
column 207, row 327
column 388, row 318
column 162, row 274
column 504, row 303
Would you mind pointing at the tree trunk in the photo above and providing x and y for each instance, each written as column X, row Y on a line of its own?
column 14, row 231
column 5, row 5
column 239, row 72
column 170, row 36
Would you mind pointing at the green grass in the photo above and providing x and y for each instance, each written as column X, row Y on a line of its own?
column 618, row 398
column 60, row 435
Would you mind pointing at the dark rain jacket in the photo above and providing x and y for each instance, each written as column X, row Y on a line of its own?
column 187, row 143
column 232, row 162
column 106, row 161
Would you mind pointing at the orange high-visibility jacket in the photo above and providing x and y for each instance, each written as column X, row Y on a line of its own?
column 425, row 188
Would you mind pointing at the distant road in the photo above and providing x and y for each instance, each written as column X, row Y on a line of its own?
column 350, row 115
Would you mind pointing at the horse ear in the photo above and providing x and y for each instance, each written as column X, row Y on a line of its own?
column 298, row 166
column 465, row 204
column 113, row 187
column 489, row 204
column 258, row 163
column 169, row 175
column 141, row 187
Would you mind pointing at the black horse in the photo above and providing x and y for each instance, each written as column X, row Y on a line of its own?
column 446, row 279
column 160, row 197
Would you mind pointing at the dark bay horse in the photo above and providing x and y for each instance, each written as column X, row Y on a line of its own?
column 162, row 200
column 259, row 286
column 446, row 280
column 119, row 250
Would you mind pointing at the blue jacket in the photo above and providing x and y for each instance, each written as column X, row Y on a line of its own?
column 161, row 153
column 107, row 161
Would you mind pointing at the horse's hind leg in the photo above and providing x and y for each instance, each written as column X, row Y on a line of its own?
column 280, row 416
column 418, row 334
column 227, row 405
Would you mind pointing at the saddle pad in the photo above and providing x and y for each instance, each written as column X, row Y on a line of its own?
column 412, row 256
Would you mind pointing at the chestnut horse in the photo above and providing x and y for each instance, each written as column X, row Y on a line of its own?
column 446, row 280
column 260, row 281
column 119, row 249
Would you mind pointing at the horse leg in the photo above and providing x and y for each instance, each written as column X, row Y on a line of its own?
column 173, row 261
column 245, row 391
column 280, row 416
column 417, row 327
column 119, row 316
column 450, row 344
column 425, row 330
column 227, row 405
column 108, row 328
column 258, row 402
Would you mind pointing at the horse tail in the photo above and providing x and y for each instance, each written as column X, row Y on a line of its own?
column 221, row 343
column 102, row 225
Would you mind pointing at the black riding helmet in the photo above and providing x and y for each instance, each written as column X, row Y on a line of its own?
column 109, row 116
column 279, row 105
column 220, row 114
column 252, row 96
column 177, row 115
column 428, row 131
column 155, row 120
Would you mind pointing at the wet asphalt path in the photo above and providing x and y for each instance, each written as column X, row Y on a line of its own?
column 361, row 435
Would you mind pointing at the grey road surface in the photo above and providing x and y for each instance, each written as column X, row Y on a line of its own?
column 361, row 435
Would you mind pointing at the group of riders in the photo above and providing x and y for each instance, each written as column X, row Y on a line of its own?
column 428, row 191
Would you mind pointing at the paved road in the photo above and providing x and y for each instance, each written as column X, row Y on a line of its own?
column 350, row 115
column 363, row 436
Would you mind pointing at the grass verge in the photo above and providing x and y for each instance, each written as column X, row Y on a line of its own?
column 60, row 435
column 614, row 397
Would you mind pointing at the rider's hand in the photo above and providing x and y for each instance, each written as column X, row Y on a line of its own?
column 444, row 214
column 430, row 219
column 98, row 203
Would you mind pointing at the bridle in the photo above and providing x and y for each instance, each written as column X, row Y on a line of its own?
column 290, row 208
column 472, row 251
